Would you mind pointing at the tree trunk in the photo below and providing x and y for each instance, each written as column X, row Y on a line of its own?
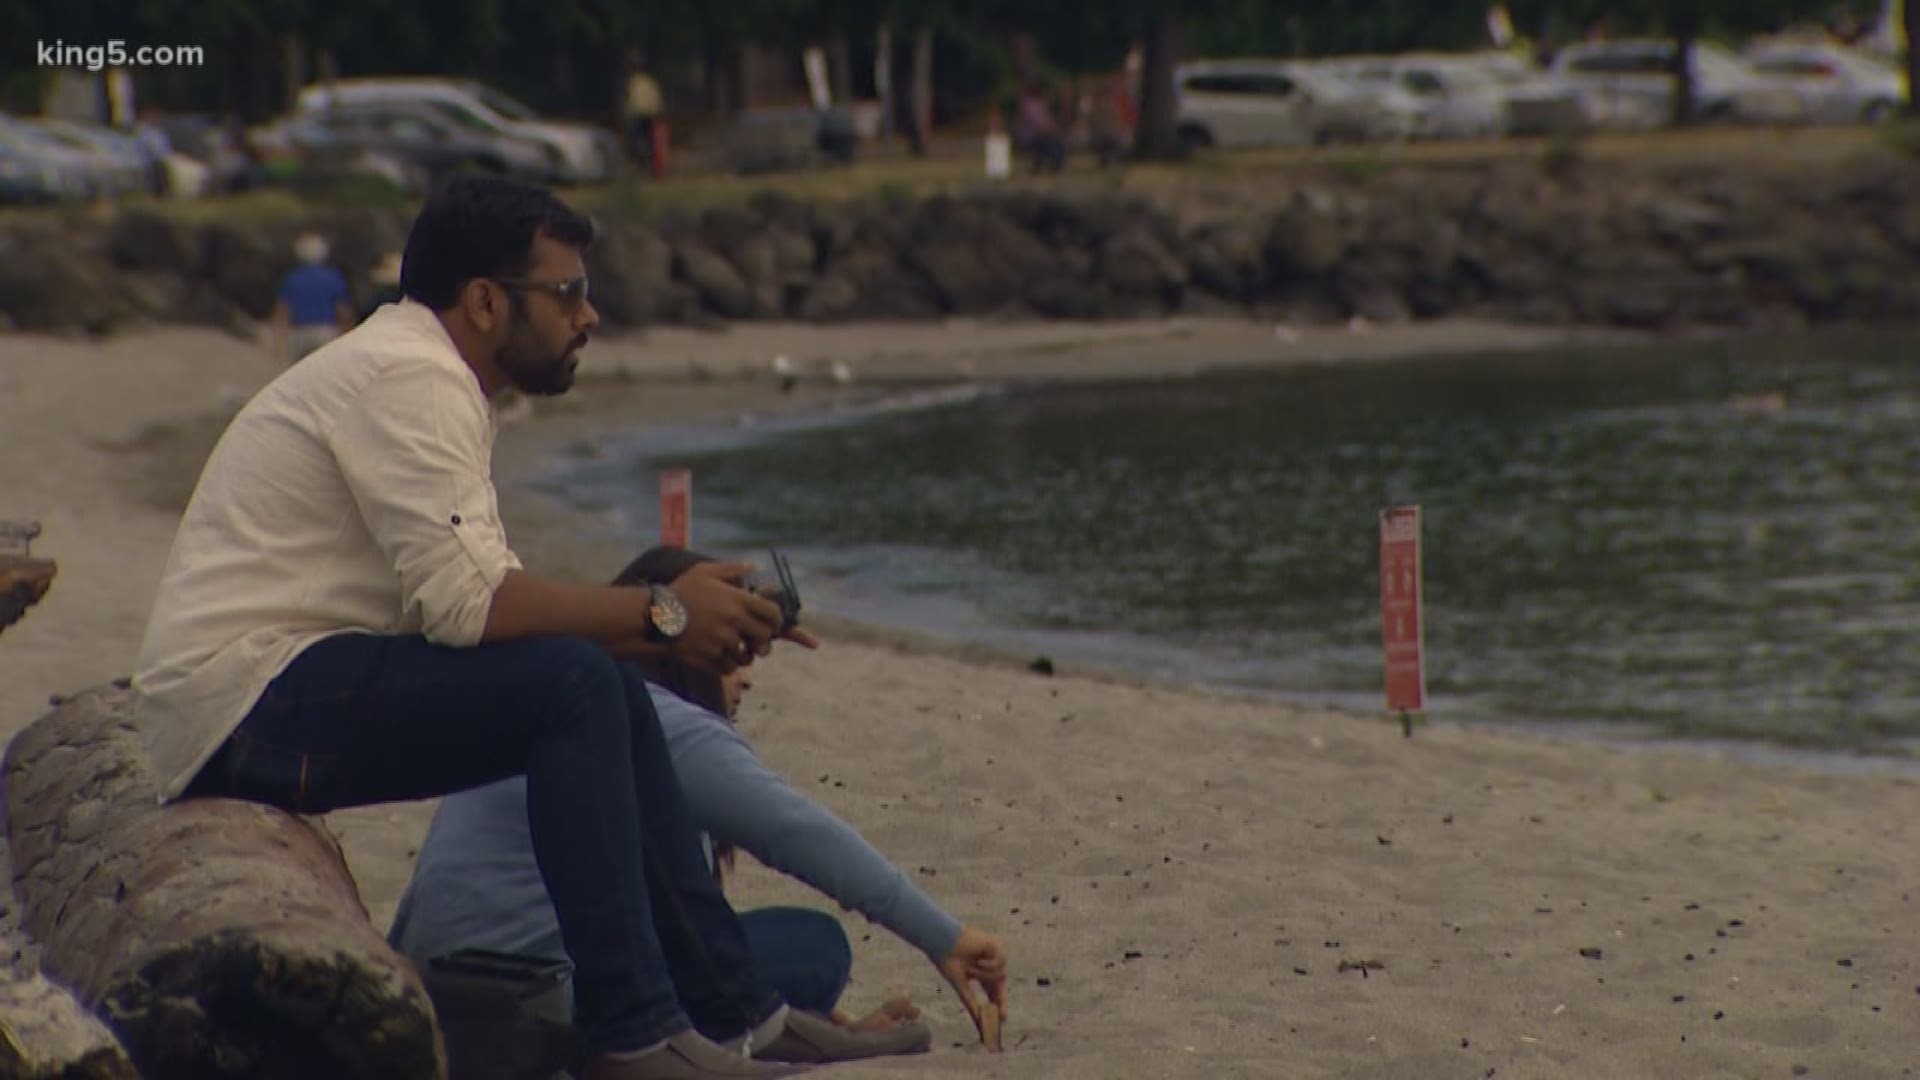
column 1910, row 30
column 1683, row 89
column 23, row 581
column 293, row 58
column 920, row 127
column 883, row 78
column 45, row 1033
column 220, row 938
column 1157, row 139
column 840, row 69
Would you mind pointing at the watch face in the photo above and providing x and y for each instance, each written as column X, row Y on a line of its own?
column 668, row 614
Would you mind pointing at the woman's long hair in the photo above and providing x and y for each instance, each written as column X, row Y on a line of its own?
column 660, row 566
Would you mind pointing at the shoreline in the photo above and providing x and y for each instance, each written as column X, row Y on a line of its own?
column 679, row 362
column 1189, row 883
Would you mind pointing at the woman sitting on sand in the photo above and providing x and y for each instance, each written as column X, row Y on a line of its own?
column 476, row 884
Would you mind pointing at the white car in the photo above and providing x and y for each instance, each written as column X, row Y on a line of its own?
column 1629, row 83
column 1834, row 85
column 578, row 153
column 1456, row 99
column 1250, row 103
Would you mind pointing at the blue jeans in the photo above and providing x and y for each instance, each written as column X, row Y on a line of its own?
column 802, row 953
column 360, row 719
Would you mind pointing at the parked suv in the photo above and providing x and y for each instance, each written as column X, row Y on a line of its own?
column 577, row 152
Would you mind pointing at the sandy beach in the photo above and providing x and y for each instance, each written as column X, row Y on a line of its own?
column 1191, row 885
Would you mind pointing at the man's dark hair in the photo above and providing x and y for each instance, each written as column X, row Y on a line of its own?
column 482, row 227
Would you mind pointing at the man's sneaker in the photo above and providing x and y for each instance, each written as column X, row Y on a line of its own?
column 814, row 1039
column 687, row 1056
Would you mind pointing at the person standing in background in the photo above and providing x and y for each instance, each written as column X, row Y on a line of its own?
column 315, row 305
column 641, row 110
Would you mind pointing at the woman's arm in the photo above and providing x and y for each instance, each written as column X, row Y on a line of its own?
column 738, row 800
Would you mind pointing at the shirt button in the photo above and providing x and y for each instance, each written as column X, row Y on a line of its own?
column 456, row 519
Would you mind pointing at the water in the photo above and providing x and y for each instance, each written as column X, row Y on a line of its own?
column 1626, row 537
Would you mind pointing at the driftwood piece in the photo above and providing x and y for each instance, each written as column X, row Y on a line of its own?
column 45, row 1033
column 23, row 581
column 218, row 938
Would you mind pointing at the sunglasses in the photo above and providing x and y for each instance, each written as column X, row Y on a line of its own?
column 571, row 292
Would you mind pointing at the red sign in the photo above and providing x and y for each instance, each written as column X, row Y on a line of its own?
column 1400, row 609
column 676, row 508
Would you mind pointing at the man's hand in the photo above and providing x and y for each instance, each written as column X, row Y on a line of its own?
column 977, row 957
column 727, row 625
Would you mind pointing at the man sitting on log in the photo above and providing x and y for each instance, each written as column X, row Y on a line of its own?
column 342, row 623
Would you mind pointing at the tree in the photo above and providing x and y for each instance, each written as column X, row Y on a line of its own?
column 1910, row 35
column 1156, row 138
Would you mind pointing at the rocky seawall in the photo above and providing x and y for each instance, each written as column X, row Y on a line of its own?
column 1704, row 247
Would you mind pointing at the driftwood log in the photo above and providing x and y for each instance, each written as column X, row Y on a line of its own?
column 45, row 1033
column 217, row 938
column 23, row 581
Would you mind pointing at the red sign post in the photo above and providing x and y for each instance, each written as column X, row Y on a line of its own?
column 1400, row 624
column 676, row 508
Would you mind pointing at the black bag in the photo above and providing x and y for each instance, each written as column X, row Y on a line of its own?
column 504, row 1016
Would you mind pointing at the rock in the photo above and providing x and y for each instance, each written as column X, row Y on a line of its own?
column 1683, row 222
column 718, row 282
column 833, row 298
column 960, row 273
column 244, row 264
column 1372, row 289
column 145, row 240
column 759, row 267
column 1139, row 267
column 632, row 273
column 1228, row 260
column 1305, row 242
column 53, row 289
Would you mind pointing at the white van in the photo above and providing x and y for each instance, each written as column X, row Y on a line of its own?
column 580, row 153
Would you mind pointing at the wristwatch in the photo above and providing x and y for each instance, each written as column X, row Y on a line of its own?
column 666, row 616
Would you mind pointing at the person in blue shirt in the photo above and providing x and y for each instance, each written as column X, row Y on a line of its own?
column 477, row 885
column 315, row 304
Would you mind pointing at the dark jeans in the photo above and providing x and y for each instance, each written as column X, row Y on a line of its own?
column 359, row 719
column 803, row 953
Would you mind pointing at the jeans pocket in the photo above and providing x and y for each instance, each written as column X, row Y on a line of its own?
column 276, row 775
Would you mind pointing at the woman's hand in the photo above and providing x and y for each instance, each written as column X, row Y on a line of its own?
column 977, row 957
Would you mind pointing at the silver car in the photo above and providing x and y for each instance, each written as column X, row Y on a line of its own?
column 1456, row 99
column 1834, row 85
column 1629, row 83
column 1249, row 103
column 574, row 152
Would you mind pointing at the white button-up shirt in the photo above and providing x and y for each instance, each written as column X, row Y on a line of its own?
column 353, row 494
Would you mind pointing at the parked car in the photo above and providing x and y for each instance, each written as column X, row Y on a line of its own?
column 28, row 176
column 1456, row 99
column 71, row 173
column 424, row 140
column 1535, row 101
column 122, row 165
column 1244, row 103
column 574, row 152
column 1834, row 85
column 1629, row 83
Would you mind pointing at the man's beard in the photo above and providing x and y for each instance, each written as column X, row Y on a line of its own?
column 531, row 369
